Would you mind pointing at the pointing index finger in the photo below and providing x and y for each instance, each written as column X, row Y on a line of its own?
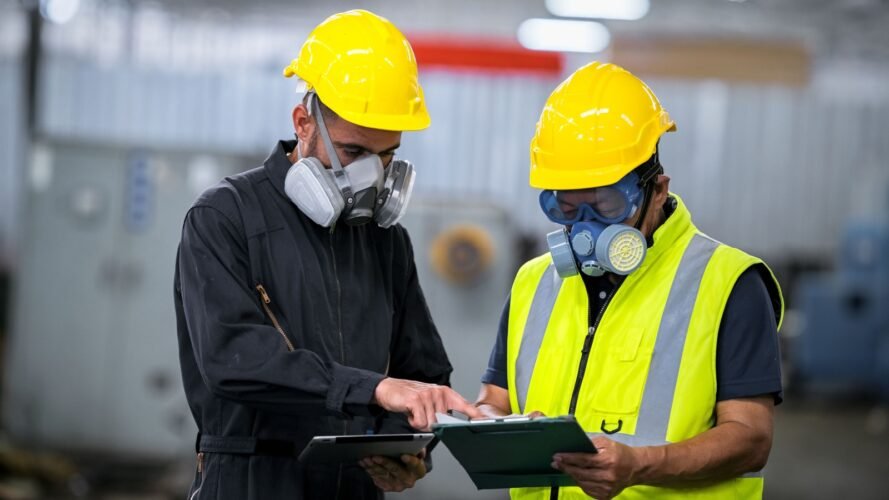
column 455, row 402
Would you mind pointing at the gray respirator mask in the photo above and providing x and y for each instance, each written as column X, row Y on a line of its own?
column 362, row 192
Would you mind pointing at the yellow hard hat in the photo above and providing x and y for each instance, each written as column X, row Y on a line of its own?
column 363, row 69
column 596, row 127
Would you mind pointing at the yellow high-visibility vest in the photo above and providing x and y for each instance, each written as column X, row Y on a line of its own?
column 650, row 376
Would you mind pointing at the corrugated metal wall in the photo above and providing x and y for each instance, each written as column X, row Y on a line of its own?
column 774, row 170
column 128, row 105
column 771, row 169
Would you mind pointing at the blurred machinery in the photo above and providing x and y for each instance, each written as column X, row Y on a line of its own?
column 91, row 369
column 127, row 90
column 462, row 254
column 843, row 340
column 92, row 366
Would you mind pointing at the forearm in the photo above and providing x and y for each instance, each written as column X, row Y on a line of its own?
column 490, row 410
column 493, row 401
column 296, row 383
column 730, row 449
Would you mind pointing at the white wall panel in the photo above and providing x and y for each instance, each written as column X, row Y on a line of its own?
column 11, row 155
column 12, row 41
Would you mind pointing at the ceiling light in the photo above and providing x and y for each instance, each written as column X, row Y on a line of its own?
column 563, row 36
column 59, row 11
column 628, row 10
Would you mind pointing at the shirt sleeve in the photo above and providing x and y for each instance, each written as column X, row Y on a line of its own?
column 495, row 374
column 239, row 355
column 417, row 350
column 748, row 357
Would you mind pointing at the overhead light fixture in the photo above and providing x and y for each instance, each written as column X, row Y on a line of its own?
column 626, row 10
column 59, row 11
column 561, row 35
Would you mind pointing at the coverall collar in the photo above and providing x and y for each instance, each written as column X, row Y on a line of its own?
column 277, row 164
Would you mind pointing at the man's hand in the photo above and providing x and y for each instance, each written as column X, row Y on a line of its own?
column 390, row 475
column 602, row 475
column 421, row 401
column 493, row 402
column 738, row 444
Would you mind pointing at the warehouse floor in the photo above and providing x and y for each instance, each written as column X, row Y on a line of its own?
column 824, row 448
column 829, row 449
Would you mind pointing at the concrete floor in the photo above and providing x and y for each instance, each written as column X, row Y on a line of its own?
column 829, row 449
column 823, row 448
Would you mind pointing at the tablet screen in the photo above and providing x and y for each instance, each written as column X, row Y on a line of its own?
column 342, row 449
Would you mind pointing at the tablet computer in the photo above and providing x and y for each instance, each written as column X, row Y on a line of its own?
column 513, row 453
column 340, row 449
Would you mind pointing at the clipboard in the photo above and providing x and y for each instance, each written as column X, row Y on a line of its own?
column 514, row 453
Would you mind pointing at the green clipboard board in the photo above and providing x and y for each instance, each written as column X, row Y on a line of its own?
column 514, row 454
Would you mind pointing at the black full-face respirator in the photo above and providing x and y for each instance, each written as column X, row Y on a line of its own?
column 594, row 240
column 362, row 192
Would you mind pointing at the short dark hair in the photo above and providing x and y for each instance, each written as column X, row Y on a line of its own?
column 328, row 113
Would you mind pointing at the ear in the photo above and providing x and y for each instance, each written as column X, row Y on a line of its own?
column 661, row 191
column 303, row 124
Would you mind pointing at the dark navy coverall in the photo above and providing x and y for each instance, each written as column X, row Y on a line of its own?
column 347, row 301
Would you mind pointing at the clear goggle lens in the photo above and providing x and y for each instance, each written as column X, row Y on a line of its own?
column 608, row 204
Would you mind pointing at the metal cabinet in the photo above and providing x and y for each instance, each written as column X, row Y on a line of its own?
column 92, row 362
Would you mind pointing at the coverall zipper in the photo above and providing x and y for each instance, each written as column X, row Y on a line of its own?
column 339, row 320
column 266, row 304
column 200, row 475
column 339, row 301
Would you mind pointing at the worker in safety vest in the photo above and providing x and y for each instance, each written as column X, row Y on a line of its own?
column 660, row 340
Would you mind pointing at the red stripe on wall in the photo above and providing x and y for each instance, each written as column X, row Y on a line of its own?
column 496, row 55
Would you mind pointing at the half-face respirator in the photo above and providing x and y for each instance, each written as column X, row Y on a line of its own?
column 594, row 241
column 359, row 193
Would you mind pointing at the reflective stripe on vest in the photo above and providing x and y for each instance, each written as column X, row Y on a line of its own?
column 660, row 385
column 538, row 317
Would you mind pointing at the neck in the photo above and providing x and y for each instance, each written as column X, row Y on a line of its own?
column 293, row 156
column 660, row 218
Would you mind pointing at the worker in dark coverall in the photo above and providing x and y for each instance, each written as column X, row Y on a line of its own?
column 298, row 307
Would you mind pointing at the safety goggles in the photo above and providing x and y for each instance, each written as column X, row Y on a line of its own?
column 608, row 204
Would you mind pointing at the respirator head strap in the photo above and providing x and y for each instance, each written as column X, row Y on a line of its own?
column 649, row 170
column 648, row 173
column 339, row 175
